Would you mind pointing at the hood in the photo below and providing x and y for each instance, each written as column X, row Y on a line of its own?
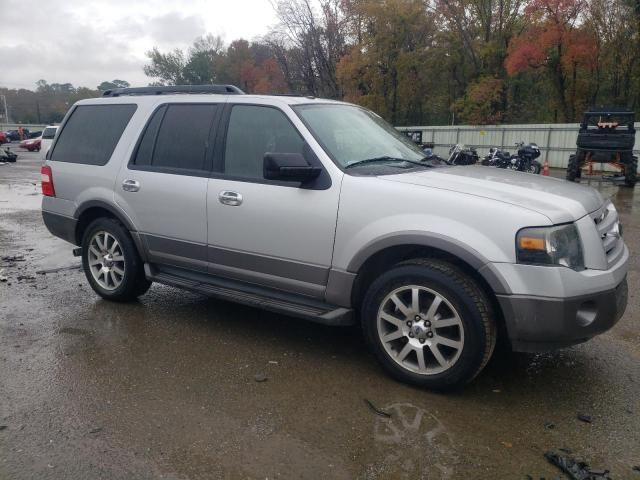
column 559, row 200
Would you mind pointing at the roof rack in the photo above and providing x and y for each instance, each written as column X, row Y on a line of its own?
column 215, row 89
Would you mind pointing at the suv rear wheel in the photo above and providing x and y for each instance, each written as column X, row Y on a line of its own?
column 429, row 324
column 111, row 262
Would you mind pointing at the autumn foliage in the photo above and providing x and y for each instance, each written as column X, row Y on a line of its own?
column 415, row 62
column 558, row 43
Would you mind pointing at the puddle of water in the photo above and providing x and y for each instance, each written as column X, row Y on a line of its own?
column 20, row 197
column 415, row 444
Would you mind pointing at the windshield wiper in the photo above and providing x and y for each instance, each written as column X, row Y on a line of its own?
column 387, row 159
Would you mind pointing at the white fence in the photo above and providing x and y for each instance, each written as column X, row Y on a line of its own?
column 556, row 141
column 33, row 127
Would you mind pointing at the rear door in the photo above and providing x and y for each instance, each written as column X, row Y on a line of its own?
column 277, row 234
column 164, row 186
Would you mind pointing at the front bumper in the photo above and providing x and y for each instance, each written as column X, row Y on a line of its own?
column 537, row 324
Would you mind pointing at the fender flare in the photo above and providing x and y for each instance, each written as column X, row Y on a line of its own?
column 119, row 214
column 453, row 247
column 122, row 218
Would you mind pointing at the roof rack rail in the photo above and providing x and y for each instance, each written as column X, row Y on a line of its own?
column 215, row 89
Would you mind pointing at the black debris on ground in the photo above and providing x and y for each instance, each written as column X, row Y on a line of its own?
column 2, row 427
column 574, row 469
column 58, row 269
column 549, row 426
column 585, row 418
column 636, row 468
column 13, row 258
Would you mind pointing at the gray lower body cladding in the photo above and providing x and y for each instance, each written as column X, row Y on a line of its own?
column 538, row 324
column 61, row 226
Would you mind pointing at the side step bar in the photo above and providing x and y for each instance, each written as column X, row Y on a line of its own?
column 254, row 295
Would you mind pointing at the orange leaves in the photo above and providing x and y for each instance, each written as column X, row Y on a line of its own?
column 525, row 52
column 554, row 34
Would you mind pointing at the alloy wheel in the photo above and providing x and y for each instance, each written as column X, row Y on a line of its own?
column 106, row 260
column 420, row 329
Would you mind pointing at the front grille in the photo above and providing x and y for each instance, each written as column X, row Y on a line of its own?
column 608, row 226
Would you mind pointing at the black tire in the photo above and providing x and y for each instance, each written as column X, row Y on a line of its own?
column 535, row 167
column 573, row 169
column 133, row 282
column 462, row 293
column 630, row 172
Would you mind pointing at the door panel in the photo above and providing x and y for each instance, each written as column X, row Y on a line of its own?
column 164, row 189
column 279, row 235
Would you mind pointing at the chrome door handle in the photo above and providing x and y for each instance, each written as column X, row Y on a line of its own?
column 227, row 197
column 131, row 185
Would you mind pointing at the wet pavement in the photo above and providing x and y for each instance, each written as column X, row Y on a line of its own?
column 166, row 387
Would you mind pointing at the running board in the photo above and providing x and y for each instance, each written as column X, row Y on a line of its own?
column 255, row 296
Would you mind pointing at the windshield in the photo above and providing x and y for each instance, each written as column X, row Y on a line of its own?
column 351, row 134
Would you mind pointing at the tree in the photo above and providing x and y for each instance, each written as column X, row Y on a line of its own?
column 481, row 104
column 558, row 44
column 104, row 86
column 167, row 68
column 389, row 70
column 316, row 40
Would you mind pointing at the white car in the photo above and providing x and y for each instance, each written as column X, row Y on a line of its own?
column 48, row 134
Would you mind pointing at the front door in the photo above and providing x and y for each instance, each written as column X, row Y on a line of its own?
column 277, row 234
column 164, row 188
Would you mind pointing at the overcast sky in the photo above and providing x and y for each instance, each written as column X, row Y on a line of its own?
column 85, row 42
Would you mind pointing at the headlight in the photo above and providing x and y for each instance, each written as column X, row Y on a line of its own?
column 558, row 245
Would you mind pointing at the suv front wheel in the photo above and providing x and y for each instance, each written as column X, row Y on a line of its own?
column 429, row 324
column 111, row 262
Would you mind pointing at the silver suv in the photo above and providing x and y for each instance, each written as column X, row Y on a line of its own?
column 320, row 210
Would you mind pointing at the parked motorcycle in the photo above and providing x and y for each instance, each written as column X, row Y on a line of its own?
column 459, row 155
column 6, row 155
column 431, row 157
column 524, row 161
column 497, row 158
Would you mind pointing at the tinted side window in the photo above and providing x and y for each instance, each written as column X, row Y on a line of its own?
column 148, row 142
column 92, row 133
column 183, row 137
column 48, row 133
column 254, row 131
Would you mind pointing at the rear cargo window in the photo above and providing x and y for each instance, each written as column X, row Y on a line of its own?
column 91, row 133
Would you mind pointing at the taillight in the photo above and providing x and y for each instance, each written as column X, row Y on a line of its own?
column 47, row 181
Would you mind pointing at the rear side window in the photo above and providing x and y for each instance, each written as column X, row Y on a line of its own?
column 48, row 133
column 92, row 133
column 177, row 137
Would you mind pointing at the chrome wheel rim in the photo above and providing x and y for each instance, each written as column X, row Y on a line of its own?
column 106, row 260
column 420, row 330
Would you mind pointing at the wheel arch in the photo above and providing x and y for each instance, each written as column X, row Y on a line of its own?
column 93, row 209
column 382, row 254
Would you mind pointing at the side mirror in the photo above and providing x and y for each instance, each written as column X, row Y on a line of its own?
column 288, row 167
